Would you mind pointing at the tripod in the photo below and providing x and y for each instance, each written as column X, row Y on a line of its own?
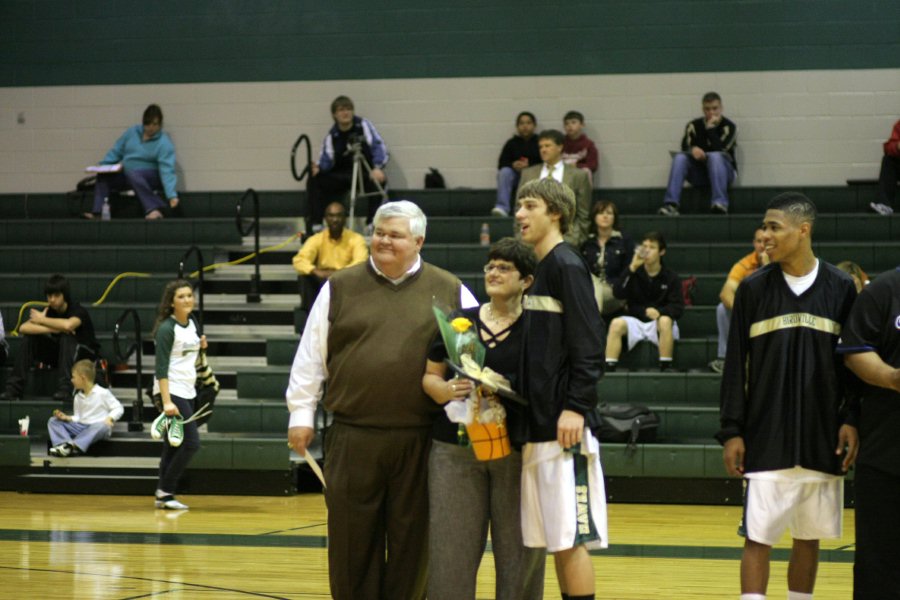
column 361, row 170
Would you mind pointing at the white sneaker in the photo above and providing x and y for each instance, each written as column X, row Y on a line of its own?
column 169, row 503
column 498, row 212
column 61, row 450
column 881, row 209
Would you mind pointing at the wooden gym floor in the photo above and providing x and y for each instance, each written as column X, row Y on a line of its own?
column 242, row 547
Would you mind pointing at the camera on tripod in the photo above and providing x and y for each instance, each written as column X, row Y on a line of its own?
column 354, row 144
column 362, row 171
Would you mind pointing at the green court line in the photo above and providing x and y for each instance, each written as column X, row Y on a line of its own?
column 843, row 555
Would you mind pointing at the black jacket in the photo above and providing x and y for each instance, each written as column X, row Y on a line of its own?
column 783, row 384
column 619, row 251
column 640, row 291
column 721, row 138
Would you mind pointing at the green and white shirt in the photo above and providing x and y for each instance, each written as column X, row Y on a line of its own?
column 177, row 347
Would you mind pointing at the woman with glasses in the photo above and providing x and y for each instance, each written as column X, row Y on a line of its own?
column 466, row 495
column 608, row 252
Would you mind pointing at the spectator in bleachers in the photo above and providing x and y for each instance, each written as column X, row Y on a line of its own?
column 608, row 252
column 654, row 302
column 59, row 334
column 550, row 145
column 332, row 176
column 519, row 152
column 325, row 252
column 706, row 158
column 95, row 412
column 467, row 496
column 860, row 278
column 147, row 156
column 889, row 175
column 741, row 269
column 578, row 148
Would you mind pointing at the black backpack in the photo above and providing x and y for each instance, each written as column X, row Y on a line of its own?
column 626, row 424
column 434, row 180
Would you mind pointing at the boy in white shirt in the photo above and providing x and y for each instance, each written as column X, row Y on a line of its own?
column 95, row 412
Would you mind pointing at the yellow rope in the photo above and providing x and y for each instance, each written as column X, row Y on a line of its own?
column 15, row 331
column 116, row 280
column 243, row 259
column 121, row 276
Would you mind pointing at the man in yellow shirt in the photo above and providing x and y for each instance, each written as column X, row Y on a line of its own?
column 741, row 269
column 330, row 250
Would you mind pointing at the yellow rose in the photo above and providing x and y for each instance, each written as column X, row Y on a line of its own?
column 460, row 324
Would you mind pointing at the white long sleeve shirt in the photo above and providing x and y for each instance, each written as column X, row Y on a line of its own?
column 96, row 406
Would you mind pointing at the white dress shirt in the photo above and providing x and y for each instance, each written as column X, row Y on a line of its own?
column 556, row 171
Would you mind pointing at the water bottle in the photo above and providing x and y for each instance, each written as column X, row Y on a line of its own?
column 104, row 212
column 485, row 234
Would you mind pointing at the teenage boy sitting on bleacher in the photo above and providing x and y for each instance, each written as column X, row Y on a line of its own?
column 654, row 303
column 96, row 410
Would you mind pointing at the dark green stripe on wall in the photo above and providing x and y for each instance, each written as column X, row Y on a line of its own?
column 85, row 42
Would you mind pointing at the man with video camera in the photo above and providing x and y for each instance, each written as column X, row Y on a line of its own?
column 332, row 176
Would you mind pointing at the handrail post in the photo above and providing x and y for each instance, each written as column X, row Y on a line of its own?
column 307, row 169
column 200, row 268
column 137, row 421
column 254, row 294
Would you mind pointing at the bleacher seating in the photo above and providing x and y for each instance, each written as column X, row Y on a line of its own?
column 252, row 345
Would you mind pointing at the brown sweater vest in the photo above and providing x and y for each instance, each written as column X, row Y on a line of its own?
column 378, row 339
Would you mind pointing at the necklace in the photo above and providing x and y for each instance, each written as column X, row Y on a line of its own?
column 501, row 319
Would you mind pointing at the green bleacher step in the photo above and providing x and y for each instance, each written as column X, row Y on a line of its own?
column 110, row 233
column 281, row 351
column 266, row 416
column 663, row 460
column 690, row 353
column 660, row 389
column 687, row 422
column 262, row 382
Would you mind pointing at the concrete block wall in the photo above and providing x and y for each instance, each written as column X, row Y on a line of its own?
column 803, row 128
column 814, row 87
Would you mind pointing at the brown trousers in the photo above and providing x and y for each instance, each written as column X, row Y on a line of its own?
column 377, row 499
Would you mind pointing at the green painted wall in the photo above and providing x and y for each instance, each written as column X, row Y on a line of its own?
column 78, row 42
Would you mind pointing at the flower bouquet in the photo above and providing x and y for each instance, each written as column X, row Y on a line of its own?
column 482, row 414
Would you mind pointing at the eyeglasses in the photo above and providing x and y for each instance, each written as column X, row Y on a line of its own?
column 502, row 269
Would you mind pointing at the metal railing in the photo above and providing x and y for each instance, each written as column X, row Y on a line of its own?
column 253, row 295
column 199, row 293
column 137, row 422
column 308, row 168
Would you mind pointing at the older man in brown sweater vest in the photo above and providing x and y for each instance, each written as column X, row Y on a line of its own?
column 367, row 338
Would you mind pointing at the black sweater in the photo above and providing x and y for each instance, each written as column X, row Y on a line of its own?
column 516, row 147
